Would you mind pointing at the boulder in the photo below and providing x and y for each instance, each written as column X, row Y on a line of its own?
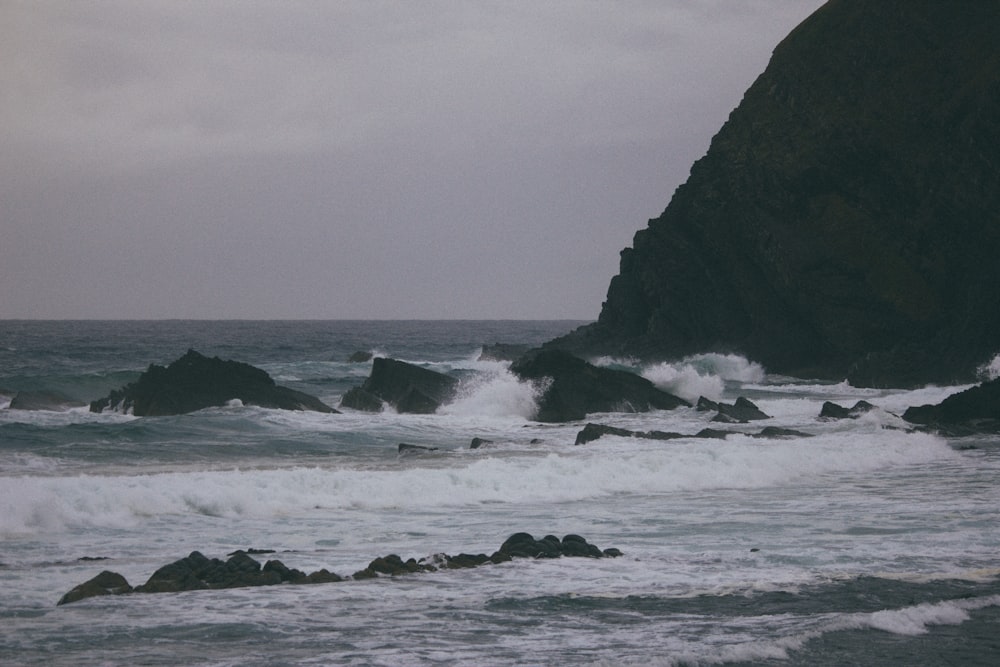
column 831, row 410
column 360, row 357
column 479, row 442
column 195, row 382
column 106, row 583
column 574, row 388
column 975, row 410
column 406, row 387
column 359, row 399
column 845, row 220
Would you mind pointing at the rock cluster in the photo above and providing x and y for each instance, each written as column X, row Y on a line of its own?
column 845, row 221
column 198, row 572
column 195, row 382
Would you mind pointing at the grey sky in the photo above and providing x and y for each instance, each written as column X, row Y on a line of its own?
column 253, row 159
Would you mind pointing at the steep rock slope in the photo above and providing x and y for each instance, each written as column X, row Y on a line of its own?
column 845, row 221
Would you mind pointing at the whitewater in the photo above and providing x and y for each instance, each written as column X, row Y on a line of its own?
column 866, row 543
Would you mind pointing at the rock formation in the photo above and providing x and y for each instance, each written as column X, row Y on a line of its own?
column 845, row 221
column 406, row 387
column 195, row 382
column 44, row 399
column 575, row 388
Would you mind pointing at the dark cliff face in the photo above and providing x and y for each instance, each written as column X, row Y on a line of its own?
column 845, row 221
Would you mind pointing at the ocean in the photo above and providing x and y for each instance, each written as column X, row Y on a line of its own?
column 866, row 544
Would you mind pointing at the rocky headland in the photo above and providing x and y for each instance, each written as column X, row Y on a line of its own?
column 845, row 221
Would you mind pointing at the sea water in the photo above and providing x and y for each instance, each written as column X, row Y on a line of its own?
column 867, row 543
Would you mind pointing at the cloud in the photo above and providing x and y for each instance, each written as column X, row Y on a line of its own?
column 353, row 159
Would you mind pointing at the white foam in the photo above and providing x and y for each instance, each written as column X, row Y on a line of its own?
column 619, row 466
column 703, row 375
column 990, row 370
column 497, row 393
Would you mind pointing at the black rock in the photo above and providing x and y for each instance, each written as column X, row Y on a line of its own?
column 360, row 399
column 44, row 399
column 195, row 382
column 593, row 431
column 845, row 221
column 106, row 583
column 360, row 357
column 831, row 410
column 777, row 433
column 741, row 412
column 575, row 388
column 975, row 410
column 479, row 442
column 406, row 387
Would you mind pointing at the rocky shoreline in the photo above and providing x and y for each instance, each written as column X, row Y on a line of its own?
column 198, row 572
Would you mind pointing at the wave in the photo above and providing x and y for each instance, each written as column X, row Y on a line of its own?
column 464, row 478
column 704, row 375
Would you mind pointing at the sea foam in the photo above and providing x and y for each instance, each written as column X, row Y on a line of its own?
column 703, row 375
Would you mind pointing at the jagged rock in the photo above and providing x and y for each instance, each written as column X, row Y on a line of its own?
column 742, row 411
column 831, row 410
column 503, row 352
column 106, row 583
column 44, row 399
column 845, row 221
column 406, row 387
column 195, row 382
column 975, row 410
column 359, row 399
column 576, row 388
column 403, row 448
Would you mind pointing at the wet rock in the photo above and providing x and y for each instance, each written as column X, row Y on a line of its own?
column 741, row 412
column 975, row 410
column 406, row 387
column 777, row 433
column 360, row 357
column 479, row 442
column 195, row 382
column 197, row 572
column 575, row 388
column 106, row 583
column 358, row 398
column 831, row 410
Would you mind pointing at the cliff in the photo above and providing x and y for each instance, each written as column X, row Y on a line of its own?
column 845, row 221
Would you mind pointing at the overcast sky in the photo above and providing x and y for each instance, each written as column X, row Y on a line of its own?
column 328, row 160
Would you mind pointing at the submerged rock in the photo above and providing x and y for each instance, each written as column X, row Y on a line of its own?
column 574, row 388
column 593, row 432
column 845, row 221
column 406, row 387
column 195, row 382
